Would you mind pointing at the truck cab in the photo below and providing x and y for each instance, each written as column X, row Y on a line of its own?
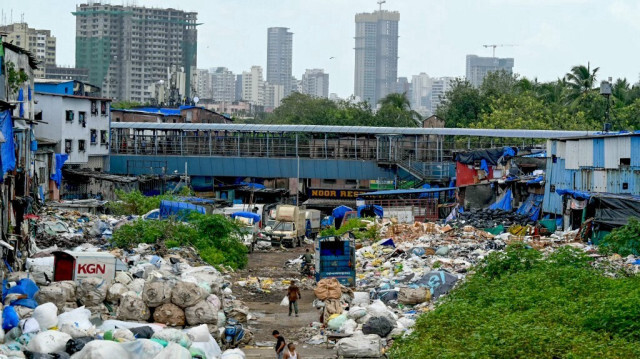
column 336, row 258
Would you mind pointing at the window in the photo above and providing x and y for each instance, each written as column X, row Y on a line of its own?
column 103, row 108
column 67, row 146
column 328, row 181
column 81, row 145
column 82, row 118
column 94, row 107
column 69, row 115
column 351, row 182
column 103, row 137
column 94, row 137
column 625, row 161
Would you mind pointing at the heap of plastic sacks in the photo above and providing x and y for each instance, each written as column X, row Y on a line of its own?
column 159, row 308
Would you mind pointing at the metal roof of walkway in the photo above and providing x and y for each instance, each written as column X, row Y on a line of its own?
column 408, row 131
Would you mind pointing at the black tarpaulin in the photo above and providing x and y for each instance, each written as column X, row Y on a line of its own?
column 490, row 155
column 614, row 210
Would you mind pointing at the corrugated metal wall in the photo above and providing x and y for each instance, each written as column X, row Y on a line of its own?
column 572, row 155
column 598, row 152
column 591, row 165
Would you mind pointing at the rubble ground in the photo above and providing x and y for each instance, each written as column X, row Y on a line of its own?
column 266, row 305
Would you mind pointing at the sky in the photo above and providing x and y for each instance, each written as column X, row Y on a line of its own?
column 435, row 35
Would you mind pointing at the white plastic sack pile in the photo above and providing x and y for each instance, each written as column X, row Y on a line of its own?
column 47, row 315
column 173, row 351
column 233, row 354
column 49, row 341
column 78, row 318
column 360, row 346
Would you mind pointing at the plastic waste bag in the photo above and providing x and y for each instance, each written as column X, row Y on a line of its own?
column 173, row 351
column 102, row 349
column 285, row 301
column 10, row 318
column 336, row 323
column 47, row 315
column 49, row 341
column 360, row 346
column 75, row 345
column 174, row 336
column 142, row 349
column 78, row 317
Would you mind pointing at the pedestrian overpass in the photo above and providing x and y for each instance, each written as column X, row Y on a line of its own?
column 299, row 151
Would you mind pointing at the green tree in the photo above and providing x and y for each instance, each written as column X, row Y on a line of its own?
column 125, row 104
column 580, row 81
column 301, row 109
column 463, row 105
column 395, row 111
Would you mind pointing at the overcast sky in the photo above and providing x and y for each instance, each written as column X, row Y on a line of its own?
column 435, row 35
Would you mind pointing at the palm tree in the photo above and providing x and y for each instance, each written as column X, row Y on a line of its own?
column 400, row 101
column 580, row 81
column 620, row 92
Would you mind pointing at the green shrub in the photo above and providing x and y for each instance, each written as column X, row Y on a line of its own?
column 355, row 226
column 623, row 240
column 135, row 203
column 519, row 305
column 214, row 236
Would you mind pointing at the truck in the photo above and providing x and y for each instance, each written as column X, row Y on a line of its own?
column 289, row 228
column 312, row 217
column 336, row 258
column 249, row 227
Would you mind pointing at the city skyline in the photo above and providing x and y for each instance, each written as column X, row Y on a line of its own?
column 434, row 37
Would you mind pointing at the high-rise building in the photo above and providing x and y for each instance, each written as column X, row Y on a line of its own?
column 315, row 83
column 238, row 87
column 279, row 57
column 39, row 42
column 273, row 95
column 376, row 48
column 128, row 49
column 253, row 86
column 421, row 93
column 403, row 86
column 439, row 88
column 203, row 84
column 478, row 67
column 223, row 84
column 66, row 73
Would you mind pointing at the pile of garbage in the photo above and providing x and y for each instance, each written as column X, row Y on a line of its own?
column 160, row 307
column 492, row 218
column 269, row 285
column 68, row 229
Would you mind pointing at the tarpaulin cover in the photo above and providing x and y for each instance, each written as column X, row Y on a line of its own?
column 7, row 149
column 253, row 185
column 439, row 282
column 180, row 210
column 538, row 179
column 21, row 100
column 339, row 212
column 490, row 155
column 327, row 221
column 615, row 210
column 503, row 202
column 26, row 287
column 484, row 166
column 574, row 193
column 56, row 176
column 531, row 206
column 369, row 208
column 250, row 215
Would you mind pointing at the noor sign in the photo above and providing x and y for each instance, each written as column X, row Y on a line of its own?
column 336, row 193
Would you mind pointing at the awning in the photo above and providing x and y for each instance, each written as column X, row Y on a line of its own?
column 328, row 203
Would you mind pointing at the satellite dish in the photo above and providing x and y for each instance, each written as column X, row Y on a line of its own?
column 196, row 99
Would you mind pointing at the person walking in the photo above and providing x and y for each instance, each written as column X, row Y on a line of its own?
column 280, row 344
column 293, row 293
column 291, row 352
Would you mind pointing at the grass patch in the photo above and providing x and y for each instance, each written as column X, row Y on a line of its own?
column 623, row 240
column 520, row 305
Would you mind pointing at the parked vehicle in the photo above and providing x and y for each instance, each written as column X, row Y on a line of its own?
column 249, row 228
column 312, row 217
column 233, row 334
column 336, row 258
column 308, row 270
column 289, row 229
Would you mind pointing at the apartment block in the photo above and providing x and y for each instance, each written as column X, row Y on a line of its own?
column 128, row 49
column 39, row 42
column 315, row 82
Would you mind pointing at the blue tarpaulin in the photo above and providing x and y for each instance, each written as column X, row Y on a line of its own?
column 531, row 206
column 21, row 100
column 573, row 193
column 180, row 210
column 538, row 179
column 376, row 209
column 508, row 152
column 484, row 166
column 327, row 221
column 339, row 212
column 504, row 202
column 8, row 149
column 253, row 185
column 56, row 176
column 250, row 215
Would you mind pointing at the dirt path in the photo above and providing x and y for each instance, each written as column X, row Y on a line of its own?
column 266, row 306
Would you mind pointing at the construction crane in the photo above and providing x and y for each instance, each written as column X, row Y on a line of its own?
column 497, row 45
